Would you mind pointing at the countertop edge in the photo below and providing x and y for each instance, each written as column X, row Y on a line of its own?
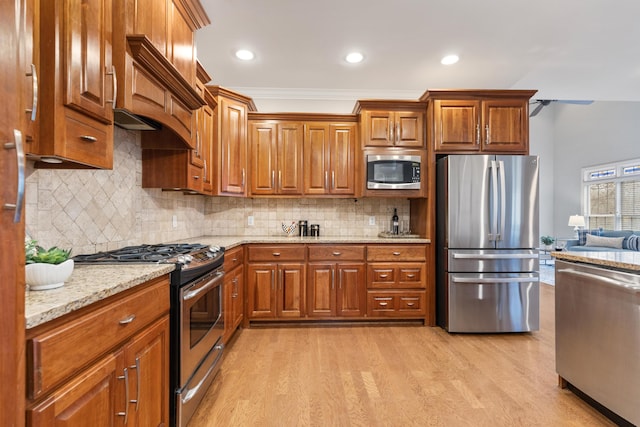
column 629, row 261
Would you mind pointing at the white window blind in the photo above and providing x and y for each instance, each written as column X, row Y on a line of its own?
column 612, row 195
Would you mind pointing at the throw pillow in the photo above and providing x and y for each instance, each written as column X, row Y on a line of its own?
column 633, row 243
column 607, row 242
column 582, row 235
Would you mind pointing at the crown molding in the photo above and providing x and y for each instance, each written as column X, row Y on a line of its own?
column 326, row 94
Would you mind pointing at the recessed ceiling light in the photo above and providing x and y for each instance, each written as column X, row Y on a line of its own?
column 354, row 57
column 245, row 55
column 449, row 60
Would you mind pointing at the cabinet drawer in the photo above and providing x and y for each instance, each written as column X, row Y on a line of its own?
column 396, row 253
column 276, row 253
column 336, row 252
column 88, row 141
column 194, row 178
column 396, row 304
column 399, row 275
column 58, row 353
column 233, row 258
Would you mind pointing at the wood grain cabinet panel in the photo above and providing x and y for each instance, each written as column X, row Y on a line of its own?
column 103, row 366
column 233, row 291
column 76, row 84
column 276, row 291
column 393, row 129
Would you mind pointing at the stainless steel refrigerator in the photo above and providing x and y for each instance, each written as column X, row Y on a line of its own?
column 487, row 234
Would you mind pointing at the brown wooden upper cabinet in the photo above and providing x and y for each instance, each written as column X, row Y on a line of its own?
column 74, row 84
column 330, row 159
column 276, row 157
column 230, row 141
column 495, row 121
column 391, row 123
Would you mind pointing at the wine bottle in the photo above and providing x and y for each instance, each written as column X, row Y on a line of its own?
column 394, row 221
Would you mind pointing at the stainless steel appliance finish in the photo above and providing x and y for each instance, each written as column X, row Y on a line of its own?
column 598, row 335
column 393, row 172
column 487, row 231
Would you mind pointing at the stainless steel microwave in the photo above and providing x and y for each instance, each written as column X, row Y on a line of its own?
column 393, row 172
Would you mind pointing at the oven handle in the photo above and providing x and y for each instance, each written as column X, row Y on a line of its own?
column 197, row 290
column 192, row 392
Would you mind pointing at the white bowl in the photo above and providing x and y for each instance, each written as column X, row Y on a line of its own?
column 40, row 276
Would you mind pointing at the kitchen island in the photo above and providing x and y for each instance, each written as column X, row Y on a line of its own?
column 597, row 301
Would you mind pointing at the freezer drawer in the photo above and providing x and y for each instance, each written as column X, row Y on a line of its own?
column 501, row 302
column 492, row 260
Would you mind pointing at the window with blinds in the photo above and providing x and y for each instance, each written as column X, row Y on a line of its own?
column 612, row 195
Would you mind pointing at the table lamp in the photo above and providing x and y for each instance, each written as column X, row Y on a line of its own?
column 576, row 221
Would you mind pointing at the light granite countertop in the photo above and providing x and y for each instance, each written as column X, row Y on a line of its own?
column 628, row 260
column 87, row 284
column 92, row 283
column 229, row 242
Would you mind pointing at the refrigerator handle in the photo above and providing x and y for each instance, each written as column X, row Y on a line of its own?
column 503, row 203
column 493, row 230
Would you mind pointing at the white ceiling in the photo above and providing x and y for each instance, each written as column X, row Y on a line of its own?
column 566, row 49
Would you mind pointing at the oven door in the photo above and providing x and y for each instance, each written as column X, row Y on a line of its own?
column 201, row 321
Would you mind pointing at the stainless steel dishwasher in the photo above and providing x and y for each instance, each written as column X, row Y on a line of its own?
column 598, row 335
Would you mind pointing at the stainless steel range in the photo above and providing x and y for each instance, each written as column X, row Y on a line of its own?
column 197, row 323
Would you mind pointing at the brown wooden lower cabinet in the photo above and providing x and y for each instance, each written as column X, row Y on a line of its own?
column 117, row 376
column 233, row 291
column 276, row 291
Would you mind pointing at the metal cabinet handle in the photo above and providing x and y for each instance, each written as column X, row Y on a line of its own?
column 34, row 88
column 137, row 368
column 276, row 254
column 384, row 276
column 243, row 177
column 196, row 176
column 397, row 133
column 17, row 145
column 391, row 138
column 273, row 179
column 333, row 278
column 487, row 140
column 333, row 180
column 205, row 170
column 125, row 414
column 114, row 79
column 280, row 279
column 396, row 253
column 130, row 318
column 273, row 280
column 411, row 276
column 336, row 253
column 410, row 304
column 477, row 133
column 383, row 304
column 88, row 138
column 326, row 179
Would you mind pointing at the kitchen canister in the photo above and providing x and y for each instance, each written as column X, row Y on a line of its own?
column 303, row 228
column 315, row 230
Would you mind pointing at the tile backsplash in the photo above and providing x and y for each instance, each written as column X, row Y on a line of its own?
column 95, row 210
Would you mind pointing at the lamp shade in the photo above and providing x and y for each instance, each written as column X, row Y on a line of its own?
column 576, row 221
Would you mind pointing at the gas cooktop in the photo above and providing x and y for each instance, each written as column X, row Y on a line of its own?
column 162, row 253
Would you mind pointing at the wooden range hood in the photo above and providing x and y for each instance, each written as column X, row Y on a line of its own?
column 155, row 81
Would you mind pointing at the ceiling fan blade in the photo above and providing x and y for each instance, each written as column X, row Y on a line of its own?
column 536, row 110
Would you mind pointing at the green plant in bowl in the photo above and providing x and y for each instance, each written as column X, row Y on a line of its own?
column 547, row 240
column 37, row 254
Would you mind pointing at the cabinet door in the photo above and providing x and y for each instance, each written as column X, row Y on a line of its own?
column 233, row 146
column 263, row 158
column 321, row 290
column 378, row 128
column 289, row 163
column 316, row 158
column 94, row 398
column 147, row 359
column 182, row 44
column 87, row 58
column 505, row 126
column 206, row 148
column 456, row 125
column 233, row 299
column 290, row 294
column 408, row 129
column 351, row 290
column 261, row 279
column 238, row 298
column 342, row 159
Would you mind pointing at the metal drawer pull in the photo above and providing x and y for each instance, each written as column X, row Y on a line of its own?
column 130, row 318
column 384, row 276
column 88, row 138
column 196, row 176
column 411, row 304
column 382, row 304
column 411, row 276
column 276, row 254
column 383, row 298
column 396, row 254
column 336, row 253
column 114, row 78
column 125, row 414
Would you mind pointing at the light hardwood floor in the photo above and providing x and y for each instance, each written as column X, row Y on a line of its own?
column 393, row 376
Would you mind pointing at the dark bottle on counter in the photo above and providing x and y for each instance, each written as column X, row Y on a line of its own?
column 394, row 222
